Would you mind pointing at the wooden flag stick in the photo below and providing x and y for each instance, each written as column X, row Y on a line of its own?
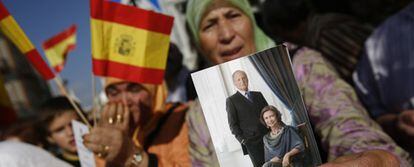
column 94, row 106
column 59, row 83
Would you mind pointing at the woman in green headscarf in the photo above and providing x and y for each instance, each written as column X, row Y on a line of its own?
column 224, row 30
column 236, row 28
column 235, row 23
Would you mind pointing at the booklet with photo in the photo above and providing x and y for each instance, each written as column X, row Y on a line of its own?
column 255, row 112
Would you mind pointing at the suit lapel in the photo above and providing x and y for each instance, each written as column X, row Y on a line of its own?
column 242, row 97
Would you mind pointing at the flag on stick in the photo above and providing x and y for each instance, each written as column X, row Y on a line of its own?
column 128, row 42
column 58, row 47
column 12, row 30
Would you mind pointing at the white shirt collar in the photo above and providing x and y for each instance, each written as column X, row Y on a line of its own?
column 243, row 92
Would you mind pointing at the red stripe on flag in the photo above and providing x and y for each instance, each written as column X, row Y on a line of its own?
column 59, row 68
column 131, row 16
column 127, row 72
column 60, row 37
column 3, row 11
column 40, row 65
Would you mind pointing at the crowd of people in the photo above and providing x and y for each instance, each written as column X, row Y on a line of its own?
column 355, row 78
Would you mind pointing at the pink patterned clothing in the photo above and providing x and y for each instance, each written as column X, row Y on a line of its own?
column 343, row 125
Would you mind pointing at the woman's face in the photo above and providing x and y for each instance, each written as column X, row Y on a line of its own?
column 270, row 118
column 226, row 33
column 138, row 99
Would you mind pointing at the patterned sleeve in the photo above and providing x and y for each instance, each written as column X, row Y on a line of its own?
column 342, row 124
column 202, row 151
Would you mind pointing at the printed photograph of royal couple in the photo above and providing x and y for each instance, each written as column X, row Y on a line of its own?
column 255, row 113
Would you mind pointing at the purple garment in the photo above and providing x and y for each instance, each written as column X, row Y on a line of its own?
column 343, row 125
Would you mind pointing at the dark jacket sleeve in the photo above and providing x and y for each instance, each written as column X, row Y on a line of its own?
column 233, row 120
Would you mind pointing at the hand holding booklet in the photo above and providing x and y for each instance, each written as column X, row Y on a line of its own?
column 86, row 157
column 255, row 112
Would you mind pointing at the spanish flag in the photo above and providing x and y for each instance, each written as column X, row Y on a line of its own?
column 129, row 43
column 58, row 47
column 12, row 30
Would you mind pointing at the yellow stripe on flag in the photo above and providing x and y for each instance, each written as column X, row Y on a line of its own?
column 129, row 45
column 12, row 30
column 55, row 53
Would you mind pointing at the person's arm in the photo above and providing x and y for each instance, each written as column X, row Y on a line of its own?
column 374, row 158
column 233, row 121
column 287, row 157
column 296, row 145
column 201, row 147
column 339, row 119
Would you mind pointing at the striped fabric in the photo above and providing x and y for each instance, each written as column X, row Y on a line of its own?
column 340, row 38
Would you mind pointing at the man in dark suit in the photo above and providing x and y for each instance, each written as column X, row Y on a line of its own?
column 243, row 111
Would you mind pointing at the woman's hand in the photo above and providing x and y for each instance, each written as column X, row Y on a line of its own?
column 286, row 160
column 115, row 115
column 275, row 159
column 109, row 143
column 110, row 139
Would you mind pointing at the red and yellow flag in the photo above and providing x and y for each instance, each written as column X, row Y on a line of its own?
column 12, row 30
column 129, row 43
column 58, row 47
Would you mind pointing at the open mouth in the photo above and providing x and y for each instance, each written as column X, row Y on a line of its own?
column 232, row 52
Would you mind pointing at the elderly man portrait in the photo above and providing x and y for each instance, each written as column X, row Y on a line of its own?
column 243, row 111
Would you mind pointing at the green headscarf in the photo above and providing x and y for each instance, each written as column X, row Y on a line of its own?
column 196, row 9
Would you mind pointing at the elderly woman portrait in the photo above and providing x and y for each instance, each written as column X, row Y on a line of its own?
column 282, row 144
column 225, row 30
